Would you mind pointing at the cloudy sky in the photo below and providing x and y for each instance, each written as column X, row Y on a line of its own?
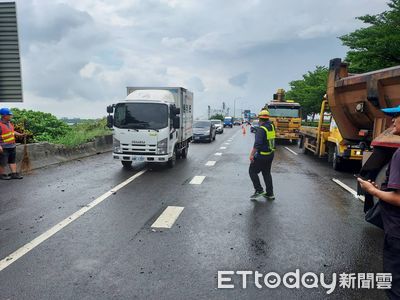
column 78, row 56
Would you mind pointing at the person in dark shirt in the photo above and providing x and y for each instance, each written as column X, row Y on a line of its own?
column 389, row 195
column 261, row 157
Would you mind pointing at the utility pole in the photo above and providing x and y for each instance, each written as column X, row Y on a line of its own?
column 234, row 108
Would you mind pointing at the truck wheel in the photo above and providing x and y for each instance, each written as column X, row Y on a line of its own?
column 185, row 152
column 126, row 164
column 301, row 142
column 171, row 163
column 336, row 160
column 331, row 150
column 303, row 146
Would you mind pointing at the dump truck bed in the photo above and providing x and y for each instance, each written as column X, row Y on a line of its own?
column 356, row 102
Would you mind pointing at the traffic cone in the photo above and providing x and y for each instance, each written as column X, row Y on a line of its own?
column 244, row 130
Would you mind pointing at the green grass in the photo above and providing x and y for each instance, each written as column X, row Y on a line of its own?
column 83, row 133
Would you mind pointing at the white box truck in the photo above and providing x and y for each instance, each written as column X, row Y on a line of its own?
column 152, row 125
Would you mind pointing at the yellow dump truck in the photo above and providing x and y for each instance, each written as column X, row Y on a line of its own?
column 325, row 140
column 356, row 101
column 286, row 116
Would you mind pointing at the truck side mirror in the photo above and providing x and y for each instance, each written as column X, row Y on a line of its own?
column 173, row 111
column 110, row 109
column 176, row 123
column 110, row 121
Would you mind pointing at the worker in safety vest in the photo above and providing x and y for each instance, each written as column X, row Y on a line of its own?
column 8, row 146
column 261, row 157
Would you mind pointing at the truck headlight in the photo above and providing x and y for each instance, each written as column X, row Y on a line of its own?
column 162, row 146
column 117, row 146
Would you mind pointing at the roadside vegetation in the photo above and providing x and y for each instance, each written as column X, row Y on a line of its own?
column 374, row 46
column 45, row 127
column 217, row 117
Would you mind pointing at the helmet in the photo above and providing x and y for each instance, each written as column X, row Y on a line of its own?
column 393, row 111
column 264, row 114
column 5, row 112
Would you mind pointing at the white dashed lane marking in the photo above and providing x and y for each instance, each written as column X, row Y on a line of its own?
column 349, row 189
column 211, row 163
column 4, row 263
column 197, row 180
column 222, row 148
column 290, row 150
column 218, row 154
column 168, row 217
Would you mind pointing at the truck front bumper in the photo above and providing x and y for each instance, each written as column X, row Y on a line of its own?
column 353, row 154
column 140, row 158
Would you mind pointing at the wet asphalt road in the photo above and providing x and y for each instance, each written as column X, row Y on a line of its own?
column 111, row 252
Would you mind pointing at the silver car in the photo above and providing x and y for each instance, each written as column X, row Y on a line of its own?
column 218, row 125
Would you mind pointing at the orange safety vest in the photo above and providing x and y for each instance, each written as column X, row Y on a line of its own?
column 7, row 136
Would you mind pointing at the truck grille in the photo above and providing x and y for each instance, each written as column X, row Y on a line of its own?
column 138, row 153
column 139, row 149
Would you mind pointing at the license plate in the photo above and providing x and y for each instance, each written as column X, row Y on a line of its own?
column 138, row 158
column 196, row 137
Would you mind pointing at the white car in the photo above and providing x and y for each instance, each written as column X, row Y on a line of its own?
column 218, row 125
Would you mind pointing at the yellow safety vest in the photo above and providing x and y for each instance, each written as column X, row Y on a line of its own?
column 270, row 138
column 7, row 134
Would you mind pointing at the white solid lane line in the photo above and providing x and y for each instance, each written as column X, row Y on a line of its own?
column 168, row 217
column 211, row 163
column 197, row 180
column 5, row 262
column 218, row 154
column 349, row 189
column 290, row 150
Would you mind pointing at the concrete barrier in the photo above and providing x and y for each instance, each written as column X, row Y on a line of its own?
column 45, row 154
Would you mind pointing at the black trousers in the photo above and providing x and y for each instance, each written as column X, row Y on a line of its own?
column 8, row 156
column 262, row 164
column 391, row 264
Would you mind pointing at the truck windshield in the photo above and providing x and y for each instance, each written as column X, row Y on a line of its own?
column 141, row 116
column 291, row 112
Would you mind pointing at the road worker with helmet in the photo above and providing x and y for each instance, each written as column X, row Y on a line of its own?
column 261, row 157
column 8, row 146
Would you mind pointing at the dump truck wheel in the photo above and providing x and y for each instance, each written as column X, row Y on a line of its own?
column 303, row 146
column 336, row 161
column 301, row 142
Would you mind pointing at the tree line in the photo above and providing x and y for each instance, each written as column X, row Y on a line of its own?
column 373, row 47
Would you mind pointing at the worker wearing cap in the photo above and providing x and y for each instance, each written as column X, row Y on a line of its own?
column 8, row 146
column 261, row 157
column 389, row 196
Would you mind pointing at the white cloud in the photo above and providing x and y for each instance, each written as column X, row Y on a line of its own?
column 173, row 42
column 88, row 51
column 89, row 70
